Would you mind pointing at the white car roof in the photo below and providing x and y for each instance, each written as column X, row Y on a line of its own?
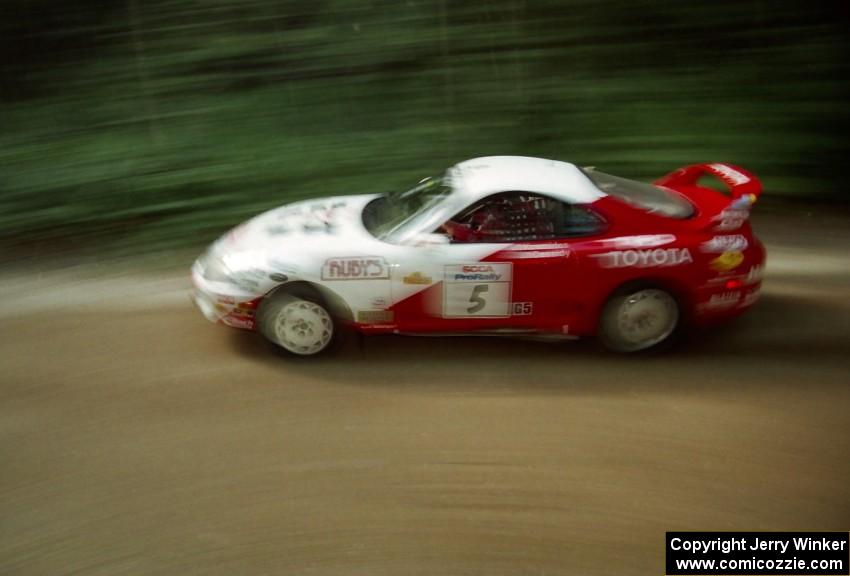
column 481, row 177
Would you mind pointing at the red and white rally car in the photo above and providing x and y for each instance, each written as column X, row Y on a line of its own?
column 498, row 245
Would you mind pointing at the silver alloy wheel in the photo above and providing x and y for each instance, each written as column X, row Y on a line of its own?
column 640, row 320
column 303, row 327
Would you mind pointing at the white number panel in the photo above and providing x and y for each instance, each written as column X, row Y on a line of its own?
column 477, row 290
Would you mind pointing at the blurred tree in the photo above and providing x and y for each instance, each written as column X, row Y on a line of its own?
column 178, row 117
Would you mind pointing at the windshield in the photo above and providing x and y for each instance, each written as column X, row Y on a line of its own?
column 653, row 199
column 396, row 217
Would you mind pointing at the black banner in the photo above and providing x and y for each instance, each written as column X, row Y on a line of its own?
column 758, row 553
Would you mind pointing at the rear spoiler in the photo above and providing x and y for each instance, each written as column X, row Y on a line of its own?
column 721, row 212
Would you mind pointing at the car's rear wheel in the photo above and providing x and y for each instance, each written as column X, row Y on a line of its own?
column 639, row 318
column 299, row 325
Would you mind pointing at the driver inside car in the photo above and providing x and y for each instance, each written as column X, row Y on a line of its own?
column 486, row 223
column 505, row 219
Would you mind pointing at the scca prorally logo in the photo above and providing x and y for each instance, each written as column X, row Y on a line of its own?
column 484, row 272
column 657, row 258
column 478, row 277
column 355, row 268
column 469, row 269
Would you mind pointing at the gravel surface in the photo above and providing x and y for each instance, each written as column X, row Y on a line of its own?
column 136, row 438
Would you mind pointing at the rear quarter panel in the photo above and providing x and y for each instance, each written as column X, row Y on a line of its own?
column 713, row 275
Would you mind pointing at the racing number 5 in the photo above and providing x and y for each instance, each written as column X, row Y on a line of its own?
column 478, row 303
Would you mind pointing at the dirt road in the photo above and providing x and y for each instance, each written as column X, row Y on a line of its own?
column 136, row 438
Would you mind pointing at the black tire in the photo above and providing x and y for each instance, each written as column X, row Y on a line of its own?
column 298, row 323
column 639, row 318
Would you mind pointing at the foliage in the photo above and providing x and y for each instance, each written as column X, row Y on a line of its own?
column 172, row 120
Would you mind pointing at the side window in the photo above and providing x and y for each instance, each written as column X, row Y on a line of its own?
column 522, row 216
column 578, row 220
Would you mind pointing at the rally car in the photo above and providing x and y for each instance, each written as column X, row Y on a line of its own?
column 502, row 245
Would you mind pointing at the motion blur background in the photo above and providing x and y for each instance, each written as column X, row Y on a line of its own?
column 160, row 122
column 135, row 438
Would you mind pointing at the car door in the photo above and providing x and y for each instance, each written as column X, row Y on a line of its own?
column 511, row 271
column 450, row 287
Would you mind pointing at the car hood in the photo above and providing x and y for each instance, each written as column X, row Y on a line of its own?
column 309, row 225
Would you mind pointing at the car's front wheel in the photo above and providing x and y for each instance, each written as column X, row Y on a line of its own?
column 639, row 318
column 297, row 325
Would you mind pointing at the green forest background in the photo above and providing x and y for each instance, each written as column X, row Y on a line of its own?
column 165, row 121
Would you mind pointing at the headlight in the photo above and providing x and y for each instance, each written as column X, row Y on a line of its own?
column 214, row 269
column 238, row 262
column 241, row 268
